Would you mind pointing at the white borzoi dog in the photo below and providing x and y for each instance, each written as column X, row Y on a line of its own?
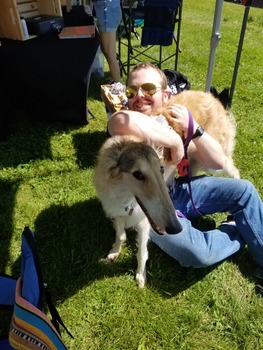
column 130, row 185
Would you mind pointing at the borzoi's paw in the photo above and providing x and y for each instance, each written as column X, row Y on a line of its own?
column 141, row 280
column 112, row 257
column 113, row 254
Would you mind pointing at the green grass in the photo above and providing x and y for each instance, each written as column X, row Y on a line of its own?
column 46, row 183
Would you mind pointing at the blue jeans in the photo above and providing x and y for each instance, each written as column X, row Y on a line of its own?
column 109, row 15
column 195, row 248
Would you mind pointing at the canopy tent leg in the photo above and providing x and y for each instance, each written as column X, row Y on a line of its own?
column 214, row 41
column 240, row 45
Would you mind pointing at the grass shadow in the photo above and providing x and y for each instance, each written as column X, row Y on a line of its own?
column 168, row 277
column 29, row 140
column 87, row 146
column 8, row 190
column 72, row 244
column 245, row 263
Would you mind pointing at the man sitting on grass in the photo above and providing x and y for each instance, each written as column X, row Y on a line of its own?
column 210, row 195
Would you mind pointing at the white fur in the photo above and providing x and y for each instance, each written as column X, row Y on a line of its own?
column 119, row 160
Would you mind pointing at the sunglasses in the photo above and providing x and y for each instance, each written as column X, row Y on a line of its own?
column 148, row 89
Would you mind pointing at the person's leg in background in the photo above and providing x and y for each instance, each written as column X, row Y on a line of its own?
column 108, row 48
column 108, row 14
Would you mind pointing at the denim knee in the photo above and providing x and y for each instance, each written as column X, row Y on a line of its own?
column 194, row 248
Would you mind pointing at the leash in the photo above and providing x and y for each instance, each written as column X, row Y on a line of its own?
column 183, row 166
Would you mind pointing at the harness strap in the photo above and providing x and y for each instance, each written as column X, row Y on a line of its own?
column 190, row 132
column 183, row 166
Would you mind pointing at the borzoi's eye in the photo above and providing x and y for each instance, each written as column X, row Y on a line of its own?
column 138, row 175
column 162, row 169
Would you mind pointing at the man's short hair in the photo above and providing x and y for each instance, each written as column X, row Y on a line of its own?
column 148, row 65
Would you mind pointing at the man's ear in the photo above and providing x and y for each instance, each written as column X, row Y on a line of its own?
column 166, row 95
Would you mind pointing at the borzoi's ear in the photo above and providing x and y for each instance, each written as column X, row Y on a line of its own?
column 167, row 154
column 114, row 172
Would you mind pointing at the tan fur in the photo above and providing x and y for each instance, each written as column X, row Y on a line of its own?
column 127, row 172
column 216, row 121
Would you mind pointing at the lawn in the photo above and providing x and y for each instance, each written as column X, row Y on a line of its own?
column 46, row 174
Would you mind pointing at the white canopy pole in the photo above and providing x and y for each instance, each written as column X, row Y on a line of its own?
column 214, row 41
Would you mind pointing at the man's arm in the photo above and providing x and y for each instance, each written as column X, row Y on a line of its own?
column 207, row 151
column 148, row 129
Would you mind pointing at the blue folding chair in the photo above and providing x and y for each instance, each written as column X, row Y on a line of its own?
column 159, row 20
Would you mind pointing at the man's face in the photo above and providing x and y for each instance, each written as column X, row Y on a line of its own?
column 140, row 102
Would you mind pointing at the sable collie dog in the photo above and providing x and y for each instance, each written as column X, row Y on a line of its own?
column 129, row 182
column 216, row 121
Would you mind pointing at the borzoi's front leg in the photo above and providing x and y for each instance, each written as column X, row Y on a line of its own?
column 143, row 229
column 119, row 225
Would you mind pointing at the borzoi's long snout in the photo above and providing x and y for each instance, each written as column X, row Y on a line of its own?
column 175, row 226
column 162, row 218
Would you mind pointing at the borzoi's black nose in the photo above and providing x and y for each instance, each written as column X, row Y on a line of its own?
column 174, row 227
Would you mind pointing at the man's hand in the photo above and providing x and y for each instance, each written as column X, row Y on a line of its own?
column 176, row 154
column 181, row 117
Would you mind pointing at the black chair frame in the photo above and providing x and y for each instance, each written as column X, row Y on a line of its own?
column 139, row 53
